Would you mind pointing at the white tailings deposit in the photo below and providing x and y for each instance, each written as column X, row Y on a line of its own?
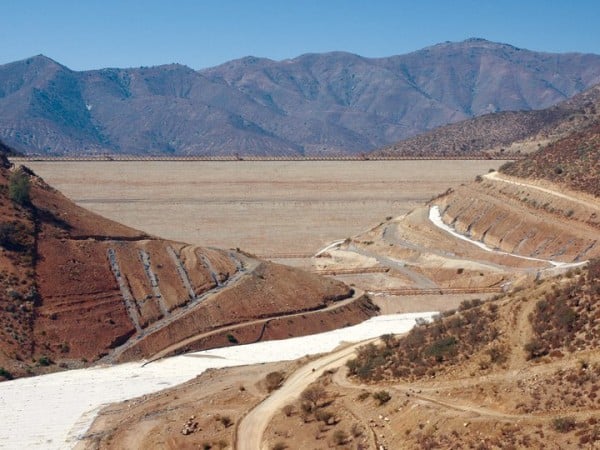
column 330, row 247
column 54, row 411
column 436, row 218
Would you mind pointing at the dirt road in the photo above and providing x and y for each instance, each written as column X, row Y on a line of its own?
column 252, row 427
column 496, row 176
column 181, row 344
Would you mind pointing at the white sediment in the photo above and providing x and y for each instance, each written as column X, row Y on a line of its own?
column 329, row 247
column 436, row 218
column 54, row 411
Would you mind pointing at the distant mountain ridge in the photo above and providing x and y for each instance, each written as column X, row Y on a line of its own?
column 504, row 132
column 313, row 104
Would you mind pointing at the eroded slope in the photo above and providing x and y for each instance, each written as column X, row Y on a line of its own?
column 78, row 288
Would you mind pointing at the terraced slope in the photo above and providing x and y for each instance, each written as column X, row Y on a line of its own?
column 76, row 288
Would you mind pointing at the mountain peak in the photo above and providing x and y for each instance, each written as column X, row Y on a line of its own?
column 472, row 42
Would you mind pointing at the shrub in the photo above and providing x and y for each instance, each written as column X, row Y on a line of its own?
column 274, row 380
column 44, row 361
column 226, row 421
column 288, row 410
column 497, row 354
column 363, row 396
column 563, row 424
column 324, row 416
column 313, row 394
column 340, row 437
column 19, row 187
column 279, row 446
column 356, row 430
column 232, row 339
column 8, row 235
column 5, row 373
column 442, row 347
column 382, row 397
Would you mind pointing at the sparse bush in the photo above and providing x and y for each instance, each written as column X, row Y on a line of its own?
column 279, row 446
column 8, row 235
column 324, row 416
column 535, row 349
column 313, row 394
column 356, row 430
column 497, row 354
column 44, row 361
column 226, row 421
column 5, row 373
column 382, row 397
column 288, row 410
column 274, row 380
column 340, row 437
column 232, row 339
column 563, row 424
column 442, row 347
column 19, row 188
column 363, row 396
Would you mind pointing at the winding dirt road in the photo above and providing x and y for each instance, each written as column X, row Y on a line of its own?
column 253, row 425
column 178, row 345
column 496, row 176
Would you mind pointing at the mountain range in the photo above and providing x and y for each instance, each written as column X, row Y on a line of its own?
column 313, row 104
column 504, row 133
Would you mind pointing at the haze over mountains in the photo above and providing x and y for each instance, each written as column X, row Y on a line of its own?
column 312, row 104
column 504, row 132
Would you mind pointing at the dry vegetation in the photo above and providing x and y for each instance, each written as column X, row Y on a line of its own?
column 563, row 320
column 76, row 288
column 450, row 339
column 504, row 132
column 573, row 161
column 472, row 385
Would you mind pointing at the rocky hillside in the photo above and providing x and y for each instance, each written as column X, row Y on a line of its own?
column 77, row 288
column 517, row 372
column 312, row 104
column 573, row 161
column 504, row 133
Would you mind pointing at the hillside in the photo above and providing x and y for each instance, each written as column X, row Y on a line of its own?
column 313, row 104
column 77, row 288
column 504, row 132
column 514, row 365
column 518, row 371
column 573, row 162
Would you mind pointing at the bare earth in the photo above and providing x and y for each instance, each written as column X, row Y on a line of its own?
column 467, row 403
column 264, row 207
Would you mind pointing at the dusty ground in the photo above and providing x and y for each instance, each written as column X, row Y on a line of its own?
column 465, row 405
column 262, row 207
column 202, row 404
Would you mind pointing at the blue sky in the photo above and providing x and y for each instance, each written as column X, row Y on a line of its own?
column 88, row 34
